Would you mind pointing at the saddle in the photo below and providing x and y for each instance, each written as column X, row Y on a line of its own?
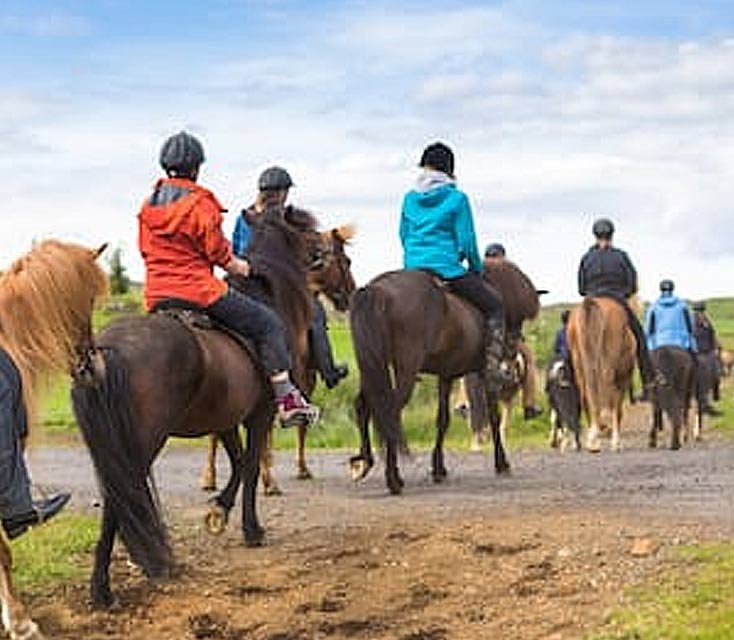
column 195, row 318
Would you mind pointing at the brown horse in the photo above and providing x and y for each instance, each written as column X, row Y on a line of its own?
column 602, row 350
column 152, row 377
column 329, row 273
column 46, row 300
column 513, row 285
column 404, row 323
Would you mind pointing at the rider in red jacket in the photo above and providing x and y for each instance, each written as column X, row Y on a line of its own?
column 181, row 241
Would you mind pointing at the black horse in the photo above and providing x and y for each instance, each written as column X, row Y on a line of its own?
column 152, row 377
column 674, row 398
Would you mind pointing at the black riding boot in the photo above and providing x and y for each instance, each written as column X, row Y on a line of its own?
column 318, row 338
column 499, row 371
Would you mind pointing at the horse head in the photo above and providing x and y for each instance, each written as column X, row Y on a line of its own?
column 329, row 270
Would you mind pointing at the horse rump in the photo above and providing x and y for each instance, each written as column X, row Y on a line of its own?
column 103, row 410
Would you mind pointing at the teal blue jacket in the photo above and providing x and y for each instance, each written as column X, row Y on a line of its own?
column 437, row 232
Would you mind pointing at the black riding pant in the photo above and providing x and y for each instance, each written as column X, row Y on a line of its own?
column 473, row 288
column 255, row 321
column 318, row 335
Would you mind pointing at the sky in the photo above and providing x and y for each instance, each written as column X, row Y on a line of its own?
column 558, row 113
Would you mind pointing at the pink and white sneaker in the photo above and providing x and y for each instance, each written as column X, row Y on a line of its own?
column 295, row 411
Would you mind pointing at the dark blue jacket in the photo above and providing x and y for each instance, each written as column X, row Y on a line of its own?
column 607, row 272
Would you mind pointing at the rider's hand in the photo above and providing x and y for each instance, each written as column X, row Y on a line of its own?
column 238, row 267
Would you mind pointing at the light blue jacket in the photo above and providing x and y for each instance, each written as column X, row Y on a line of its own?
column 241, row 236
column 668, row 322
column 437, row 232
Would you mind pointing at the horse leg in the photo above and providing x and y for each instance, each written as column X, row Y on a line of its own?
column 209, row 472
column 438, row 470
column 257, row 433
column 270, row 485
column 553, row 439
column 477, row 410
column 304, row 473
column 15, row 617
column 657, row 422
column 616, row 443
column 501, row 464
column 504, row 421
column 100, row 592
column 676, row 418
column 361, row 464
column 592, row 435
column 216, row 519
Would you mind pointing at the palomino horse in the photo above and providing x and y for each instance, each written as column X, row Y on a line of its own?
column 404, row 323
column 678, row 369
column 46, row 300
column 329, row 272
column 152, row 377
column 602, row 350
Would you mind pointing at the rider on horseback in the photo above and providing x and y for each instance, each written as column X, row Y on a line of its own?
column 273, row 185
column 437, row 234
column 607, row 272
column 181, row 240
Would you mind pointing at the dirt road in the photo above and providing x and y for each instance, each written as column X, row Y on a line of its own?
column 544, row 553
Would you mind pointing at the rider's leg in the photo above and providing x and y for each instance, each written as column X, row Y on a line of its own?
column 331, row 372
column 647, row 371
column 472, row 287
column 262, row 325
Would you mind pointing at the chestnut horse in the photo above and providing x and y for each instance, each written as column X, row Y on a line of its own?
column 404, row 323
column 152, row 377
column 46, row 300
column 328, row 273
column 602, row 350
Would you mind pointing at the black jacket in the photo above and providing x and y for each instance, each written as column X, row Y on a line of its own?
column 607, row 272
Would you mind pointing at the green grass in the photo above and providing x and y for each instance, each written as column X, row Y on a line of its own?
column 694, row 600
column 55, row 552
column 337, row 429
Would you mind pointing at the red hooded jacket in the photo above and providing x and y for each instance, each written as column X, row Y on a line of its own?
column 181, row 241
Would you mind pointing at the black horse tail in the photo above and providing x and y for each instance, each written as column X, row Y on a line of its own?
column 371, row 338
column 104, row 414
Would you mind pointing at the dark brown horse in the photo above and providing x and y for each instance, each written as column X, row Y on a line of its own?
column 152, row 377
column 674, row 397
column 328, row 273
column 602, row 350
column 404, row 323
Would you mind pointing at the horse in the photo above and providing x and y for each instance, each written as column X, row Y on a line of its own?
column 678, row 368
column 328, row 273
column 602, row 350
column 46, row 301
column 726, row 360
column 405, row 323
column 151, row 377
column 513, row 286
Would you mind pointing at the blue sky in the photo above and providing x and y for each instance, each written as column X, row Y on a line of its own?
column 558, row 112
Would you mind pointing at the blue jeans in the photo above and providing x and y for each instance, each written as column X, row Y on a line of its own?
column 257, row 322
column 15, row 484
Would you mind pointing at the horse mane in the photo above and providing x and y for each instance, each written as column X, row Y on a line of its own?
column 277, row 256
column 519, row 296
column 46, row 299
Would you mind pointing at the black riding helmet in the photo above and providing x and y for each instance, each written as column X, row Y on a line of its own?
column 603, row 229
column 181, row 155
column 667, row 286
column 438, row 156
column 699, row 306
column 274, row 179
column 494, row 250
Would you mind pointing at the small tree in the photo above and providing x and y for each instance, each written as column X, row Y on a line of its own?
column 119, row 281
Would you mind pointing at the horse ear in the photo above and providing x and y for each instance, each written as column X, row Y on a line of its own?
column 345, row 232
column 98, row 252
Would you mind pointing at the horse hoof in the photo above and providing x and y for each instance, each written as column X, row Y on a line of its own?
column 675, row 446
column 593, row 448
column 102, row 600
column 503, row 470
column 304, row 474
column 26, row 630
column 359, row 468
column 216, row 520
column 272, row 490
column 255, row 538
column 439, row 477
column 395, row 489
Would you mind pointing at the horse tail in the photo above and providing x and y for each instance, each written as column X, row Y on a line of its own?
column 592, row 340
column 102, row 406
column 371, row 339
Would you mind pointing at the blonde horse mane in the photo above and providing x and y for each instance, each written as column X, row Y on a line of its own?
column 46, row 300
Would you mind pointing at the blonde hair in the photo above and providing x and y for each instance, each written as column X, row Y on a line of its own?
column 46, row 300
